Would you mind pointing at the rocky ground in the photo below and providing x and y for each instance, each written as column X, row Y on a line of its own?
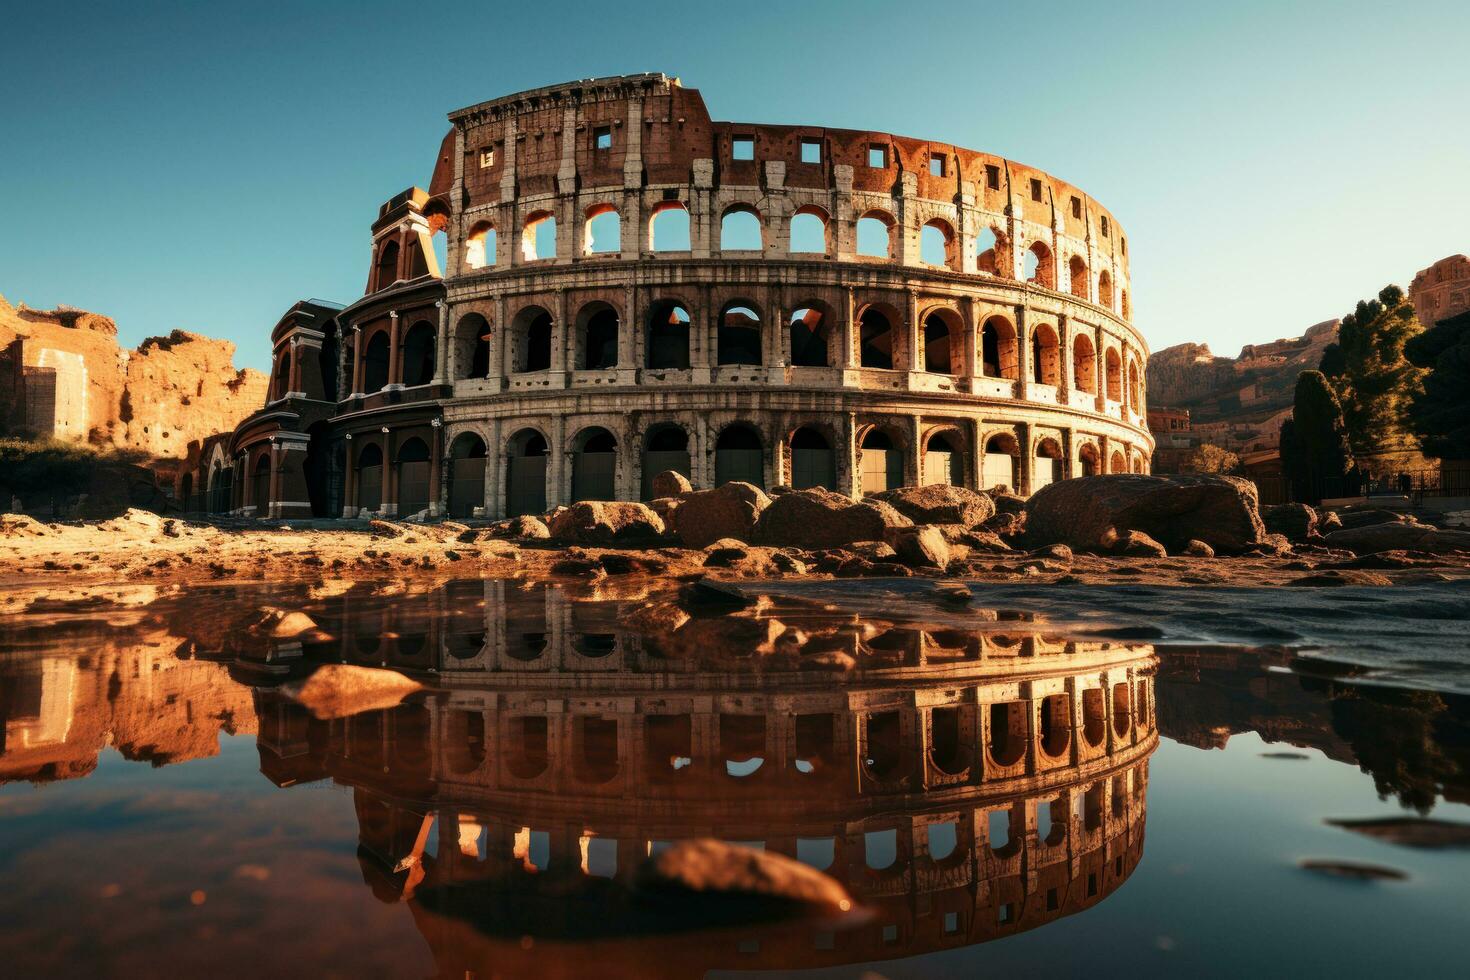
column 1112, row 530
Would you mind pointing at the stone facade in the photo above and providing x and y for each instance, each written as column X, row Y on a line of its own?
column 630, row 287
column 1442, row 290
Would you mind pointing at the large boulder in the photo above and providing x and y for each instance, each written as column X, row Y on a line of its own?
column 939, row 503
column 815, row 519
column 697, row 871
column 1396, row 536
column 1296, row 521
column 1006, row 503
column 671, row 483
column 607, row 523
column 1221, row 511
column 921, row 547
column 728, row 511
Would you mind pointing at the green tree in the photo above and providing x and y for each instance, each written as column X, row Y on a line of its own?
column 1441, row 411
column 1315, row 450
column 1377, row 383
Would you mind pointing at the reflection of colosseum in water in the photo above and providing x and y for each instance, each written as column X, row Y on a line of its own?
column 964, row 784
column 628, row 287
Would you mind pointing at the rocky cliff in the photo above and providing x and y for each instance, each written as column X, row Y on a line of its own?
column 63, row 375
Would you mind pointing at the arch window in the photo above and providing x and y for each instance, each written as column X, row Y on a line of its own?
column 532, row 329
column 387, row 269
column 998, row 349
column 1077, row 274
column 665, row 447
column 418, row 354
column 944, row 463
column 375, row 363
column 738, row 336
column 668, row 336
column 1007, row 737
column 281, row 382
column 1105, row 289
column 594, row 465
column 479, row 247
column 466, row 474
column 1040, row 269
column 943, row 343
column 668, row 229
column 1116, row 463
column 1087, row 459
column 1113, row 369
column 525, row 474
column 538, row 237
column 1135, row 389
column 603, row 233
column 809, row 231
column 937, row 244
column 471, row 347
column 1001, row 465
column 1046, row 357
column 992, row 253
column 1084, row 364
column 809, row 336
column 876, row 339
column 875, row 235
column 740, row 230
column 739, row 456
column 597, row 337
column 813, row 463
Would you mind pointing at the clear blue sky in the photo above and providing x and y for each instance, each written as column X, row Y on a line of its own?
column 203, row 165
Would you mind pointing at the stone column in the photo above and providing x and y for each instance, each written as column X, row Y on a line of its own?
column 1104, row 452
column 437, row 502
column 1100, row 342
column 1024, row 367
column 349, row 483
column 293, row 384
column 912, row 334
column 386, row 503
column 395, row 373
column 356, row 361
column 1027, row 460
column 560, row 491
column 441, row 346
column 1064, row 359
column 916, row 451
column 496, row 360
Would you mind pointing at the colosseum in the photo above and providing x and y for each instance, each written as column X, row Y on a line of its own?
column 601, row 284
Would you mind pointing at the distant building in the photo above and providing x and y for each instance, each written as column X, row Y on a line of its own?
column 1174, row 439
column 1442, row 290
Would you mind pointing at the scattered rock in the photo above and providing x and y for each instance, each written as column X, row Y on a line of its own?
column 1060, row 552
column 282, row 624
column 1297, row 521
column 921, row 547
column 340, row 690
column 728, row 511
column 1371, row 516
column 21, row 526
column 385, row 529
column 1009, row 525
column 1006, row 503
column 1395, row 536
column 700, row 869
column 1196, row 548
column 671, row 483
column 1218, row 510
column 607, row 523
column 816, row 519
column 873, row 550
column 939, row 504
column 524, row 527
column 1132, row 544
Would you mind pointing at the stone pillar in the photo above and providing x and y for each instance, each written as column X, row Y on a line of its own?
column 356, row 361
column 1064, row 359
column 557, row 471
column 498, row 331
column 349, row 483
column 912, row 334
column 1027, row 460
column 1104, row 452
column 907, row 251
column 441, row 346
column 395, row 370
column 1100, row 342
column 1024, row 367
column 386, row 503
column 847, row 464
column 437, row 502
column 848, row 347
column 916, row 451
column 293, row 384
column 1069, row 442
column 560, row 336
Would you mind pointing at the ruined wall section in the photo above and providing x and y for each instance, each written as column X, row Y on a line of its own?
column 1442, row 290
column 184, row 387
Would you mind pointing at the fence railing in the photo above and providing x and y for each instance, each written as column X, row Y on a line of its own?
column 1414, row 484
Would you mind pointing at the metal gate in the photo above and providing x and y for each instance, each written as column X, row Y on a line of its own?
column 744, row 465
column 413, row 487
column 369, row 487
column 657, row 461
column 525, row 486
column 882, row 469
column 466, row 486
column 813, row 468
column 594, row 476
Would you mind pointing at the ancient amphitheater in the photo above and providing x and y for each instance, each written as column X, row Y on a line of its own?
column 601, row 284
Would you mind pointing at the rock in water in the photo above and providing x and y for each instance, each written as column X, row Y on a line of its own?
column 340, row 690
column 704, row 868
column 1221, row 511
column 728, row 511
column 607, row 523
column 940, row 504
column 823, row 519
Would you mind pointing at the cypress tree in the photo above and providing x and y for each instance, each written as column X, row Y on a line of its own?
column 1377, row 383
column 1315, row 450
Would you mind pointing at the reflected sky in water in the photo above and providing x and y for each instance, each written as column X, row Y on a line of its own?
column 173, row 801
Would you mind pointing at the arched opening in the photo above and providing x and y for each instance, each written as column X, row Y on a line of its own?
column 1116, row 463
column 413, row 476
column 594, row 465
column 944, row 463
column 810, row 336
column 466, row 474
column 260, row 488
column 595, row 754
column 1138, row 464
column 998, row 349
column 1046, row 356
column 1001, row 465
column 464, row 740
column 880, row 463
column 323, row 470
column 1047, row 466
column 1094, row 723
column 668, row 228
column 1135, row 389
column 665, row 447
column 809, row 231
column 370, row 477
column 813, row 463
column 479, row 247
column 947, row 751
column 531, row 330
column 993, row 253
column 525, row 474
column 220, row 480
column 1055, row 724
column 528, row 753
column 1113, row 368
column 943, row 343
column 883, row 758
column 538, row 236
column 740, row 230
column 876, row 339
column 815, row 743
column 387, row 269
column 602, row 234
column 937, row 244
column 436, row 261
column 738, row 336
column 1122, row 719
column 1051, row 827
column 875, row 235
column 1077, row 277
column 281, row 376
column 1105, row 289
column 326, row 362
column 418, row 354
column 1007, row 741
column 742, row 743
column 1084, row 364
column 1087, row 459
column 1040, row 270
column 375, row 363
column 739, row 456
column 597, row 337
column 668, row 743
column 668, row 336
column 471, row 347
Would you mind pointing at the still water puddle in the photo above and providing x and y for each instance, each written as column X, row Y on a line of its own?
column 182, row 795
